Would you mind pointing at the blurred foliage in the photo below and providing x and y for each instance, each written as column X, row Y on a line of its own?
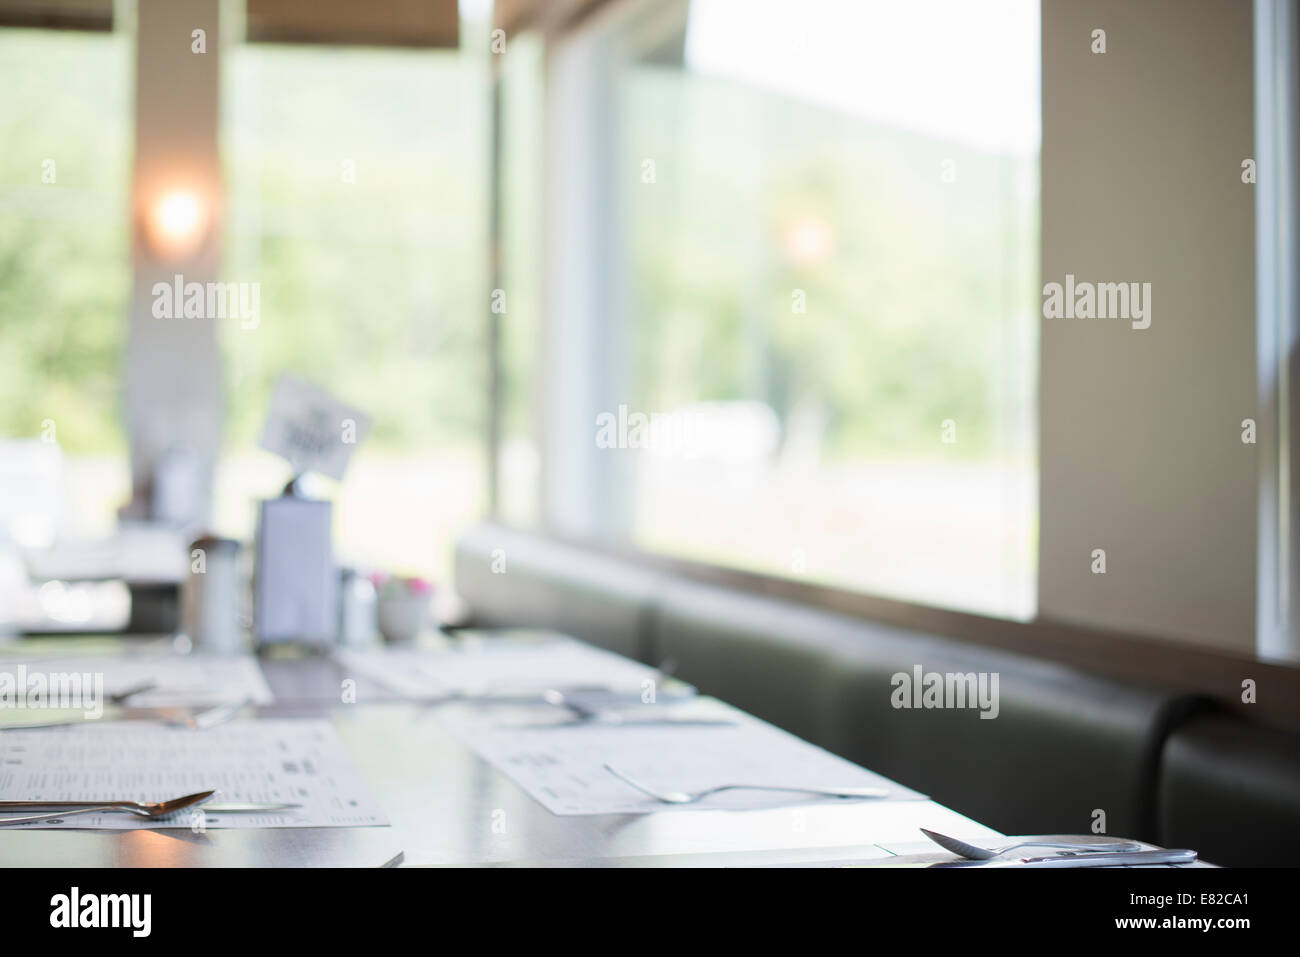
column 919, row 293
column 375, row 288
column 64, row 246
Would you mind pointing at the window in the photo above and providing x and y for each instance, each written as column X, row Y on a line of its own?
column 65, row 280
column 357, row 192
column 822, row 222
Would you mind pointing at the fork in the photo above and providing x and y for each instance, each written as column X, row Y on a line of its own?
column 583, row 714
column 690, row 797
column 613, row 719
column 563, row 695
column 973, row 852
column 61, row 809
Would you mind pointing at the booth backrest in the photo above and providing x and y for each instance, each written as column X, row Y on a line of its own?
column 1231, row 789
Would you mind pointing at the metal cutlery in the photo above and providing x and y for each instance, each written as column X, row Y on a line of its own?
column 518, row 695
column 1086, row 859
column 1081, row 844
column 584, row 714
column 690, row 797
column 566, row 699
column 506, row 696
column 614, row 719
column 62, row 809
column 119, row 696
column 195, row 721
column 210, row 717
column 562, row 695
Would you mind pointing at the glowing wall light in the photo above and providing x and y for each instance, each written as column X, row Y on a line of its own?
column 176, row 224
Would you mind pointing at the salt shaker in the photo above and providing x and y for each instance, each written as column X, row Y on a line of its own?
column 210, row 603
column 357, row 627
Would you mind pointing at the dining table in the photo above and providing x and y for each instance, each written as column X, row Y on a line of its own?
column 448, row 806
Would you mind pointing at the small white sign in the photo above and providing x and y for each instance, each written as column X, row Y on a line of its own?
column 312, row 430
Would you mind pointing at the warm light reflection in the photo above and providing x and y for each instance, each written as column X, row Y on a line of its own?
column 176, row 223
column 809, row 241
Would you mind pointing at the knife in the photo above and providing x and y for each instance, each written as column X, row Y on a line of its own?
column 1086, row 859
column 243, row 808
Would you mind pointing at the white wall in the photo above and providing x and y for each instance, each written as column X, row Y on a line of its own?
column 1141, row 439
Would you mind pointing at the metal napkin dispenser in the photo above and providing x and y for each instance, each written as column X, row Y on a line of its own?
column 295, row 582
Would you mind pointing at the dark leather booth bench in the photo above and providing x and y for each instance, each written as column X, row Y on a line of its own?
column 1065, row 747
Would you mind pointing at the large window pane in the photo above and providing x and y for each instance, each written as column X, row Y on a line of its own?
column 357, row 198
column 828, row 221
column 65, row 130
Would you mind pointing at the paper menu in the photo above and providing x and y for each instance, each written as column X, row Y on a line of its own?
column 181, row 681
column 563, row 767
column 486, row 667
column 294, row 761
